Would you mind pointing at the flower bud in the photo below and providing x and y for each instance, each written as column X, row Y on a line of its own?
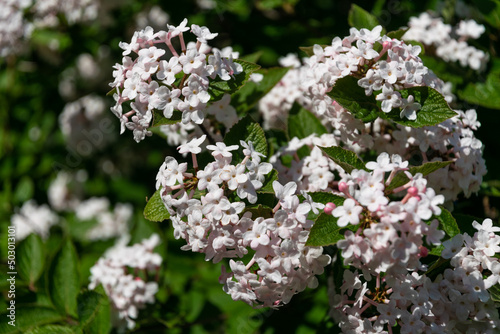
column 343, row 187
column 413, row 191
column 329, row 207
column 423, row 251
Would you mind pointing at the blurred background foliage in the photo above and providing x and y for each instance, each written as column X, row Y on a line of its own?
column 33, row 149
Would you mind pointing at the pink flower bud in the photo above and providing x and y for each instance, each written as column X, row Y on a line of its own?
column 343, row 187
column 387, row 45
column 413, row 191
column 423, row 251
column 329, row 207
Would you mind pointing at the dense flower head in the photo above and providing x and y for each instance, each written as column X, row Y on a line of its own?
column 452, row 140
column 456, row 300
column 449, row 43
column 391, row 233
column 394, row 67
column 212, row 210
column 155, row 77
column 386, row 282
column 128, row 292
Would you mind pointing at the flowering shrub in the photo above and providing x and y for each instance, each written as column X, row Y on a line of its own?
column 346, row 171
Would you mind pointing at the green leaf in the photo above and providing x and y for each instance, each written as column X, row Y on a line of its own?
column 344, row 158
column 425, row 169
column 352, row 97
column 325, row 197
column 247, row 130
column 260, row 211
column 302, row 123
column 485, row 94
column 245, row 98
column 31, row 258
column 111, row 92
column 218, row 87
column 397, row 34
column 436, row 250
column 325, row 231
column 24, row 190
column 490, row 10
column 253, row 57
column 495, row 293
column 94, row 312
column 491, row 188
column 52, row 329
column 159, row 119
column 267, row 187
column 360, row 18
column 437, row 267
column 155, row 210
column 309, row 50
column 448, row 223
column 64, row 280
column 28, row 317
column 434, row 109
column 322, row 197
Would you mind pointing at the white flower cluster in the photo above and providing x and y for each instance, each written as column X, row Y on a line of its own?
column 128, row 292
column 314, row 172
column 395, row 67
column 65, row 195
column 18, row 18
column 452, row 140
column 110, row 223
column 449, row 43
column 391, row 233
column 32, row 218
column 149, row 83
column 455, row 301
column 220, row 225
column 387, row 247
